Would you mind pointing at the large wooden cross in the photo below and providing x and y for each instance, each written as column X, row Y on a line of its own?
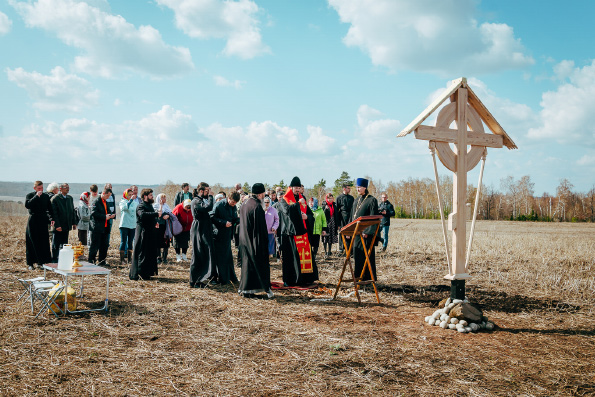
column 465, row 110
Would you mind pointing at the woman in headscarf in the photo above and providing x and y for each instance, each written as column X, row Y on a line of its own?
column 184, row 214
column 165, row 227
column 333, row 218
column 128, row 205
column 84, row 213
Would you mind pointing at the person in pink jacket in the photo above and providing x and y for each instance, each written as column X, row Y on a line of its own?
column 272, row 218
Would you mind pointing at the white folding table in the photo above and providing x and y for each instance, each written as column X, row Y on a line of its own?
column 87, row 269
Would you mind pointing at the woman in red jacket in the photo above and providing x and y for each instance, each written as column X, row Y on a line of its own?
column 184, row 215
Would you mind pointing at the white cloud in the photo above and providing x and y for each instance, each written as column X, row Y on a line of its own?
column 438, row 36
column 223, row 82
column 167, row 124
column 234, row 21
column 515, row 118
column 587, row 160
column 5, row 24
column 567, row 114
column 317, row 142
column 167, row 139
column 56, row 91
column 374, row 131
column 112, row 46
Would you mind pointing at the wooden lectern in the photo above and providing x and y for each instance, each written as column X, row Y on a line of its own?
column 354, row 230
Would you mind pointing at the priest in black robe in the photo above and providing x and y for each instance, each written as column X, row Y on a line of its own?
column 254, row 246
column 225, row 218
column 202, row 264
column 295, row 219
column 37, row 243
column 364, row 205
column 144, row 257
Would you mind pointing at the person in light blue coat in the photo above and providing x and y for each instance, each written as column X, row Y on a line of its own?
column 128, row 205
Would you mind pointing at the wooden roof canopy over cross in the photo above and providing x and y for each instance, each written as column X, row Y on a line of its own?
column 476, row 112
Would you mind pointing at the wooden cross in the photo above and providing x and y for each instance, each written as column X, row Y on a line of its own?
column 466, row 110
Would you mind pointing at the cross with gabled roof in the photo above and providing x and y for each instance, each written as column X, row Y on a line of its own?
column 465, row 110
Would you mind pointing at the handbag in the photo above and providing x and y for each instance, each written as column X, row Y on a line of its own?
column 177, row 227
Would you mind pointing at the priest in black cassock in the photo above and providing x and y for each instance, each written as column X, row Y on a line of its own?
column 299, row 266
column 144, row 257
column 37, row 244
column 253, row 246
column 225, row 218
column 364, row 205
column 202, row 264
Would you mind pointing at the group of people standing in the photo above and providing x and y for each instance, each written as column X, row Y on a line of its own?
column 262, row 224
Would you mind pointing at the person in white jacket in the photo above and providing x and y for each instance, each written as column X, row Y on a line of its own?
column 128, row 205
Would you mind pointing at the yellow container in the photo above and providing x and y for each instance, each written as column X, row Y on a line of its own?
column 70, row 292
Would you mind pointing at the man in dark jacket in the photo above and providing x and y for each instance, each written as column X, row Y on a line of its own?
column 344, row 203
column 63, row 217
column 387, row 211
column 144, row 257
column 183, row 195
column 111, row 209
column 99, row 224
column 254, row 251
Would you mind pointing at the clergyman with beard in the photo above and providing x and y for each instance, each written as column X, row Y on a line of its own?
column 202, row 264
column 144, row 260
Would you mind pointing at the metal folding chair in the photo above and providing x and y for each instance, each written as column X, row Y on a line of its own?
column 36, row 289
column 47, row 296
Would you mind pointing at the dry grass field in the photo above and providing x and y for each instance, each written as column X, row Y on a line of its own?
column 536, row 281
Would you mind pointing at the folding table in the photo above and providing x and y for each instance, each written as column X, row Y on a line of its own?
column 87, row 269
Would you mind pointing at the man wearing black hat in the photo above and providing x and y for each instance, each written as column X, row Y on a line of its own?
column 295, row 220
column 364, row 205
column 253, row 246
column 344, row 203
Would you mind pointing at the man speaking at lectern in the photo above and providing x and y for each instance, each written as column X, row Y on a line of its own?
column 364, row 205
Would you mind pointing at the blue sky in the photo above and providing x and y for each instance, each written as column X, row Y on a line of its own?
column 144, row 91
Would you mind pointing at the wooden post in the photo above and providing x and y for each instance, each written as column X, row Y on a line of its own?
column 457, row 274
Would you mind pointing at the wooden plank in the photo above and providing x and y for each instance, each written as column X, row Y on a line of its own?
column 474, row 155
column 474, row 121
column 489, row 120
column 446, row 155
column 447, row 115
column 441, row 134
column 459, row 235
column 433, row 106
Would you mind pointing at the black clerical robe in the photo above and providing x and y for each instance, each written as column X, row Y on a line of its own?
column 291, row 225
column 364, row 206
column 37, row 243
column 202, row 265
column 220, row 215
column 253, row 249
column 144, row 258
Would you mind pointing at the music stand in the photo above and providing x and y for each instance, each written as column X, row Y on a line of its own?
column 355, row 229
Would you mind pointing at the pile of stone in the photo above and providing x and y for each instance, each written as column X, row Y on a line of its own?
column 459, row 315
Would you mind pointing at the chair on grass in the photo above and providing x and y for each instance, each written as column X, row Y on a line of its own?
column 38, row 288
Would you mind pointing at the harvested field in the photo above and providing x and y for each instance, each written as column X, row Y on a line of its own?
column 536, row 281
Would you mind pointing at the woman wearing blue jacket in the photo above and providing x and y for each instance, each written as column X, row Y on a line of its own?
column 128, row 206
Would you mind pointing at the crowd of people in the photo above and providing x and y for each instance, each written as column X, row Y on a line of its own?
column 263, row 225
